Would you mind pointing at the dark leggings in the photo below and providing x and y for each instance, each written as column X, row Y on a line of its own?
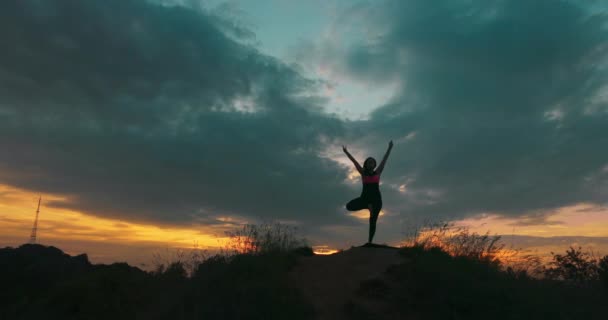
column 361, row 203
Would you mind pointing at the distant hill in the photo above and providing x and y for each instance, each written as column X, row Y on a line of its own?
column 366, row 282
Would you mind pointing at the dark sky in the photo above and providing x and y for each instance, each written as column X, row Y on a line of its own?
column 175, row 114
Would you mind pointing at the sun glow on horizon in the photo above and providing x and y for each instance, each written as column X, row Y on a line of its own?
column 324, row 250
column 17, row 212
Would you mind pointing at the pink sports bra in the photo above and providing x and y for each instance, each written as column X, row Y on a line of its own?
column 371, row 179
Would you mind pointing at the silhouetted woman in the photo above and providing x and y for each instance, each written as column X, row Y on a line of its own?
column 370, row 197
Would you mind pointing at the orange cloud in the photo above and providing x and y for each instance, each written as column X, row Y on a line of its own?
column 577, row 220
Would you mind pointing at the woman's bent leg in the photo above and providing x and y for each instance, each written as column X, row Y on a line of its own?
column 356, row 204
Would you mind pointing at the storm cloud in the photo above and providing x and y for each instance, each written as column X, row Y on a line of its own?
column 170, row 114
column 503, row 102
column 162, row 113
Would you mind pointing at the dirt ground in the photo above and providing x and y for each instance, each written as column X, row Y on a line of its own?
column 330, row 282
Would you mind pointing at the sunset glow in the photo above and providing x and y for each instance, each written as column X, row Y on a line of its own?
column 324, row 250
column 581, row 219
column 17, row 212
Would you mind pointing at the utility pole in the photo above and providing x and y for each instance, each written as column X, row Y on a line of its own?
column 35, row 227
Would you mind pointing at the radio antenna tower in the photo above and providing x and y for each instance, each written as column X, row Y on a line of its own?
column 35, row 227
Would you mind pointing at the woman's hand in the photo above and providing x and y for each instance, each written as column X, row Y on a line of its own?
column 344, row 149
column 390, row 144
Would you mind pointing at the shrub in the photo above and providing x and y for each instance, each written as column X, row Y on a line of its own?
column 576, row 267
column 431, row 283
column 264, row 238
column 603, row 271
column 178, row 260
column 247, row 286
column 457, row 241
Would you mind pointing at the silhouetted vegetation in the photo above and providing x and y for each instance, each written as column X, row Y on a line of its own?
column 41, row 282
column 459, row 241
column 187, row 259
column 433, row 284
column 268, row 237
column 603, row 272
column 445, row 274
column 577, row 267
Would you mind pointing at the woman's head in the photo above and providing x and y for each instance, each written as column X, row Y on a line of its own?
column 369, row 165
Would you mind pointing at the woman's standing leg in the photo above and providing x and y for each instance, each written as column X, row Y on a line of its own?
column 374, row 212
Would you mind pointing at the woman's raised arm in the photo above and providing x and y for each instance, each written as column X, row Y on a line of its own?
column 388, row 151
column 357, row 165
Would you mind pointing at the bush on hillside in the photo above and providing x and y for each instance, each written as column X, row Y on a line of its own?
column 431, row 283
column 242, row 286
column 172, row 258
column 603, row 271
column 459, row 241
column 456, row 240
column 576, row 267
column 264, row 238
